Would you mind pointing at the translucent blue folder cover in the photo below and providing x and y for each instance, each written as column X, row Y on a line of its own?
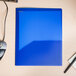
column 38, row 37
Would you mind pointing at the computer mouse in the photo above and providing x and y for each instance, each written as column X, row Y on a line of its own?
column 3, row 46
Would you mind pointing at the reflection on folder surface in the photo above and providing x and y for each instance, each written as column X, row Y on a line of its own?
column 38, row 37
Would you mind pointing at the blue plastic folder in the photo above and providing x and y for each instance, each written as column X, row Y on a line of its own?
column 38, row 37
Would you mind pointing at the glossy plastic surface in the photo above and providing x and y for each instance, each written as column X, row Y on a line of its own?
column 38, row 37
